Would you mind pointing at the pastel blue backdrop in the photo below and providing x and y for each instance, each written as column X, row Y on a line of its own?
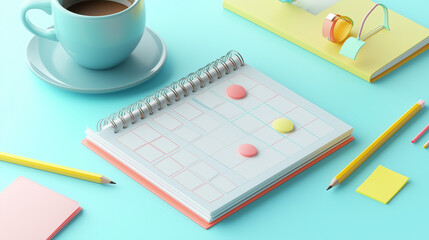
column 42, row 122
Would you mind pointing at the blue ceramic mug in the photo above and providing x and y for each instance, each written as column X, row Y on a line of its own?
column 96, row 42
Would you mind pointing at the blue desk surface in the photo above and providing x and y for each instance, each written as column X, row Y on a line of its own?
column 42, row 122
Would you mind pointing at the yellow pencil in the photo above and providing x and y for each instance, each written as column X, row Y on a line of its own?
column 376, row 144
column 426, row 144
column 50, row 167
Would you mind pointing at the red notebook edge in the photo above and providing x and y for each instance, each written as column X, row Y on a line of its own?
column 65, row 222
column 176, row 204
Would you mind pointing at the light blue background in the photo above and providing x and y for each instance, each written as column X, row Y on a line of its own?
column 42, row 122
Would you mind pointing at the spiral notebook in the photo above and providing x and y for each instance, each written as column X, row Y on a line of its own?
column 181, row 142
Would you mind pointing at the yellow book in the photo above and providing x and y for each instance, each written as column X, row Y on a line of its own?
column 382, row 53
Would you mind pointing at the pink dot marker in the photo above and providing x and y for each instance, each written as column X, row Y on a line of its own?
column 236, row 91
column 247, row 150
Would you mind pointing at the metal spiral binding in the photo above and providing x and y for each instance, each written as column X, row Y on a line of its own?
column 142, row 104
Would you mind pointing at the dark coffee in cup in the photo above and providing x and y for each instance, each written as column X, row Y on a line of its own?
column 98, row 7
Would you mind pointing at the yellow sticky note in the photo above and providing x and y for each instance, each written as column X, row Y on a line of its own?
column 382, row 185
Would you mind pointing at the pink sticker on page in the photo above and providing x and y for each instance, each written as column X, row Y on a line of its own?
column 236, row 91
column 247, row 150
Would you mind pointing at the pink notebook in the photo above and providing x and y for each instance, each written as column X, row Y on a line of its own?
column 31, row 211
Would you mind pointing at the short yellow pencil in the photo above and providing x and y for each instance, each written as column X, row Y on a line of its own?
column 426, row 144
column 54, row 168
column 349, row 169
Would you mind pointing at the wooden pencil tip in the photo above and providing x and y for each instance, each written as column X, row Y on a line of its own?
column 329, row 187
column 112, row 182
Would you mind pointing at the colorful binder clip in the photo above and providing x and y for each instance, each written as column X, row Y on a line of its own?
column 336, row 27
column 352, row 45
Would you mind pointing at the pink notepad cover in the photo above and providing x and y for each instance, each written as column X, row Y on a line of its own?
column 30, row 211
column 179, row 206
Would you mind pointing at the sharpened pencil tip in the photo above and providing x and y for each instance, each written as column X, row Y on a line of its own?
column 329, row 187
column 112, row 182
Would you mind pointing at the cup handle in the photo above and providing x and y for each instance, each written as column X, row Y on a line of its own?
column 44, row 5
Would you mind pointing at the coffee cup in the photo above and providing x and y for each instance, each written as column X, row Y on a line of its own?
column 97, row 34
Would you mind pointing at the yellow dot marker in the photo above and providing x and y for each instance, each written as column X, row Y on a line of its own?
column 283, row 125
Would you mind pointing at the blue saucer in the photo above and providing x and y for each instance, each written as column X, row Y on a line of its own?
column 49, row 61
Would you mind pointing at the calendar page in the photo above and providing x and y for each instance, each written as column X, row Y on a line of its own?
column 189, row 149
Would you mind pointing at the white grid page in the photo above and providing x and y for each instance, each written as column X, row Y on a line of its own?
column 196, row 154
